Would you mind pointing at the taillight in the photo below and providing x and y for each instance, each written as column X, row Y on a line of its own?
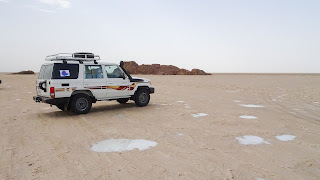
column 52, row 94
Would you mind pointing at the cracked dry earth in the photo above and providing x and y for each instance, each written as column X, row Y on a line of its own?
column 41, row 142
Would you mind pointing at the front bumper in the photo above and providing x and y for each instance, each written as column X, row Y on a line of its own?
column 151, row 90
column 53, row 101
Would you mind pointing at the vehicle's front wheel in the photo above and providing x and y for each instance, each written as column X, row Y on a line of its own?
column 81, row 104
column 142, row 97
column 123, row 100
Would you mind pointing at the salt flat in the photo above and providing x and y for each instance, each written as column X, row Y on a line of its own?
column 163, row 140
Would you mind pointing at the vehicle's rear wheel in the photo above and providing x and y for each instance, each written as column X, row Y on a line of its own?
column 142, row 97
column 123, row 100
column 60, row 106
column 81, row 104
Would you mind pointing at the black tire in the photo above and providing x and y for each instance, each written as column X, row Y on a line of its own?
column 60, row 106
column 123, row 100
column 81, row 104
column 142, row 97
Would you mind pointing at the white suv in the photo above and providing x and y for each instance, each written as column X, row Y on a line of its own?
column 75, row 81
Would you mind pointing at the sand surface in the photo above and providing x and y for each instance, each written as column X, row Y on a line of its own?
column 166, row 140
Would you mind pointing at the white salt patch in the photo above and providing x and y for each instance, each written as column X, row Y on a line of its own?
column 18, row 99
column 119, row 145
column 236, row 101
column 248, row 117
column 251, row 105
column 199, row 115
column 118, row 115
column 286, row 137
column 180, row 101
column 47, row 108
column 233, row 91
column 187, row 107
column 274, row 100
column 315, row 102
column 251, row 140
column 29, row 92
column 179, row 134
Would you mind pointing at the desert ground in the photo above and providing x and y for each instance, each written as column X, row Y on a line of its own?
column 223, row 126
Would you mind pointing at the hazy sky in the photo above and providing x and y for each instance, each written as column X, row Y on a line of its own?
column 216, row 36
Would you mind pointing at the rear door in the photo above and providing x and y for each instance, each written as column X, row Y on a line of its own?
column 94, row 80
column 43, row 80
column 65, row 79
column 117, row 82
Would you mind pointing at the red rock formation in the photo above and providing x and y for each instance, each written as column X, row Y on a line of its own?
column 198, row 72
column 133, row 68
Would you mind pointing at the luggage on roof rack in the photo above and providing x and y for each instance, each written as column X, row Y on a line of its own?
column 79, row 56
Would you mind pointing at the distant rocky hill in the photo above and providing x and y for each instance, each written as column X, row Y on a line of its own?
column 133, row 68
column 24, row 72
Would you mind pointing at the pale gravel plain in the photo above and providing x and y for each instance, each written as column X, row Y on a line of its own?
column 41, row 142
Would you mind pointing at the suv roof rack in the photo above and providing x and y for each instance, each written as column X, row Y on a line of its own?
column 79, row 56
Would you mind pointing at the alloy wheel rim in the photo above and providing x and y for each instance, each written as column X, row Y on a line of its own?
column 82, row 104
column 143, row 97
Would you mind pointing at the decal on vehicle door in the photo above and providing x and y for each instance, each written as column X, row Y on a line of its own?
column 59, row 89
column 64, row 73
column 118, row 88
column 65, row 89
column 96, row 87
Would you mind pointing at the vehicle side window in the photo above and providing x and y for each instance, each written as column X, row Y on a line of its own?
column 43, row 67
column 93, row 72
column 48, row 72
column 114, row 72
column 45, row 72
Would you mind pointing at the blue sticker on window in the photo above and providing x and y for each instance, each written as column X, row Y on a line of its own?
column 64, row 73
